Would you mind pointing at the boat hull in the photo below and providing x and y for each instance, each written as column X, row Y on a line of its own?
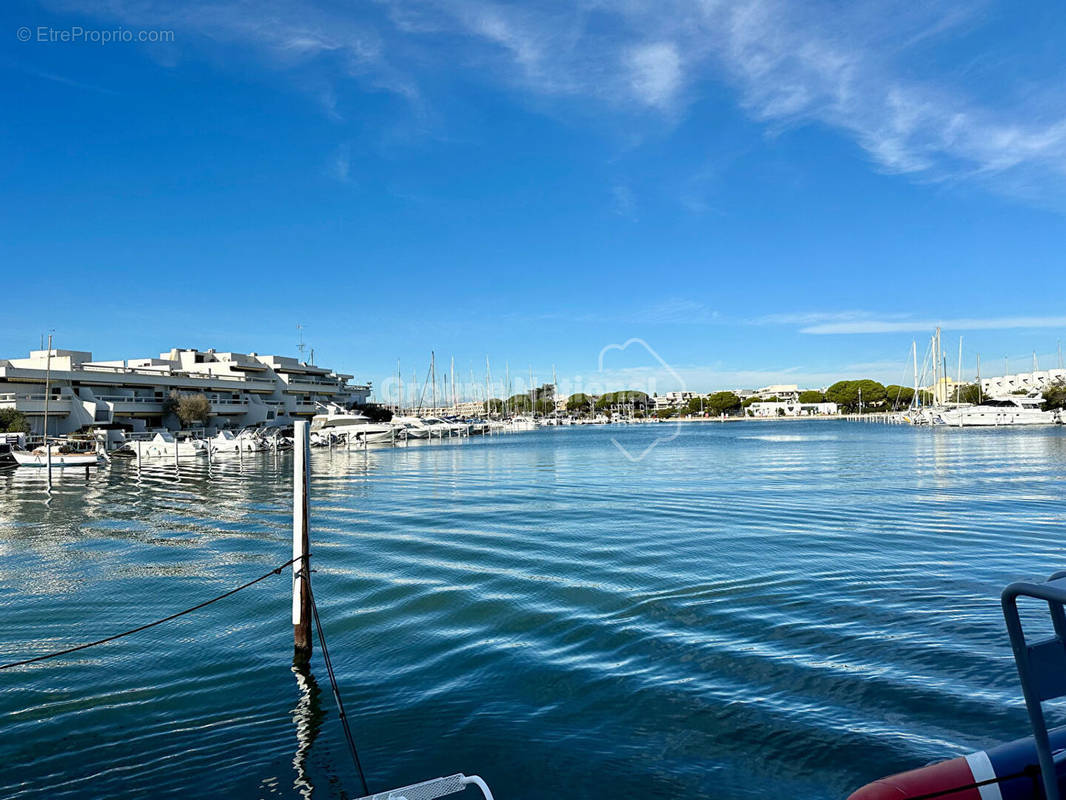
column 1008, row 772
column 27, row 459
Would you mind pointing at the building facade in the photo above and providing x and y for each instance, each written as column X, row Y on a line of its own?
column 242, row 389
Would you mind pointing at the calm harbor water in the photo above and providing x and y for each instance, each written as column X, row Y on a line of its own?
column 755, row 610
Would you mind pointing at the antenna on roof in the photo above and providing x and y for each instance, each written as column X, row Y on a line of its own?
column 301, row 345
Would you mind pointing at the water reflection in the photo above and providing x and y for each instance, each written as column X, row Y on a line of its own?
column 307, row 717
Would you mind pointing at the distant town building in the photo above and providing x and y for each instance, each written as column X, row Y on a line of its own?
column 673, row 399
column 243, row 389
column 782, row 391
column 790, row 408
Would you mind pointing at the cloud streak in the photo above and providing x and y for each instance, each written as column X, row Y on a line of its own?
column 865, row 322
column 870, row 72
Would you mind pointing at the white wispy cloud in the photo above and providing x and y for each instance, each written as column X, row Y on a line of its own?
column 858, row 322
column 655, row 73
column 624, row 202
column 868, row 71
column 340, row 164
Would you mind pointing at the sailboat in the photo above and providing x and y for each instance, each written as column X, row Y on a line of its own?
column 54, row 455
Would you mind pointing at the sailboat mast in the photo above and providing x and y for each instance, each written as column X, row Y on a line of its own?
column 433, row 377
column 914, row 357
column 958, row 381
column 555, row 387
column 488, row 387
column 980, row 389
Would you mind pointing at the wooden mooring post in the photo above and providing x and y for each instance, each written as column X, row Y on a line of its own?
column 301, row 590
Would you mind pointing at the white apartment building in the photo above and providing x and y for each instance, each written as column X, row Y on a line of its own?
column 1035, row 381
column 242, row 389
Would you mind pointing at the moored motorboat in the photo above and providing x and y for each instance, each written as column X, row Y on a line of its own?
column 60, row 457
column 226, row 441
column 352, row 426
column 164, row 443
column 413, row 427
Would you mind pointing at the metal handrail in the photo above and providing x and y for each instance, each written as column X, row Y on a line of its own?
column 429, row 790
column 1041, row 666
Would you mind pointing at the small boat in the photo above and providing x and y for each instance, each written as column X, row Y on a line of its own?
column 61, row 457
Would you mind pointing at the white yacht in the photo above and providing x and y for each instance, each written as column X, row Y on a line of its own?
column 354, row 426
column 995, row 411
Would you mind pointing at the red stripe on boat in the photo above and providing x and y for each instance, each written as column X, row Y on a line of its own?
column 941, row 777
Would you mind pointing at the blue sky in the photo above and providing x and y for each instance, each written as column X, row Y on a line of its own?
column 762, row 192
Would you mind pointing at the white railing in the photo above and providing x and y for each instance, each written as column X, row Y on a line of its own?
column 121, row 398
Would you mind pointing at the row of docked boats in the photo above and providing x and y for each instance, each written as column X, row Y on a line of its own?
column 333, row 426
column 339, row 425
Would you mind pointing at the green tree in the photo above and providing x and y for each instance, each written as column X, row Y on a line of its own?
column 192, row 408
column 13, row 421
column 375, row 411
column 493, row 406
column 748, row 401
column 723, row 403
column 519, row 403
column 580, row 402
column 623, row 398
column 811, row 396
column 846, row 394
column 545, row 406
column 899, row 397
column 1054, row 397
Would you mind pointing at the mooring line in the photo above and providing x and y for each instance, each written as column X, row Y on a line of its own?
column 336, row 689
column 139, row 628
